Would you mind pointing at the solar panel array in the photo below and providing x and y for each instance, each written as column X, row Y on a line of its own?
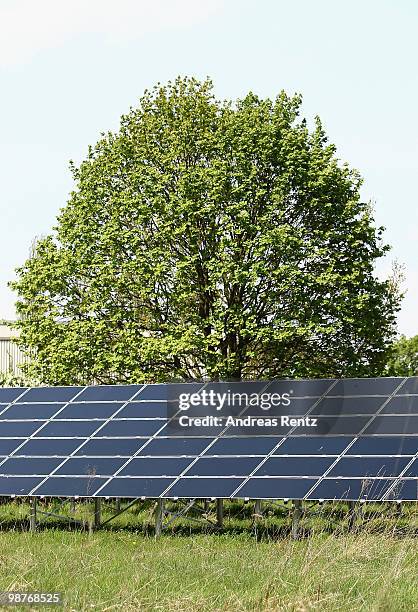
column 125, row 441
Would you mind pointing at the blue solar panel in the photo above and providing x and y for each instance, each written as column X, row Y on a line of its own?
column 161, row 447
column 412, row 471
column 50, row 394
column 18, row 486
column 110, row 447
column 8, row 395
column 301, row 388
column 223, row 466
column 365, row 386
column 142, row 410
column 105, row 466
column 151, row 466
column 135, row 487
column 410, row 386
column 402, row 405
column 87, row 410
column 404, row 490
column 155, row 392
column 243, row 446
column 369, row 466
column 30, row 411
column 388, row 445
column 393, row 425
column 204, row 487
column 68, row 486
column 351, row 489
column 23, row 466
column 129, row 429
column 348, row 405
column 109, row 393
column 295, row 466
column 276, row 488
column 9, row 445
column 19, row 429
column 37, row 447
column 127, row 441
column 321, row 445
column 68, row 429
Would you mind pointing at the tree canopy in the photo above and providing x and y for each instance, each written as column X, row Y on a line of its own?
column 208, row 239
column 404, row 358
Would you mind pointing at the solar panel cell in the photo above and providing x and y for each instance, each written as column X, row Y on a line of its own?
column 18, row 429
column 109, row 393
column 243, row 446
column 8, row 395
column 321, row 445
column 50, row 394
column 276, row 488
column 393, row 425
column 154, row 392
column 92, row 466
column 404, row 490
column 144, row 466
column 68, row 429
column 365, row 386
column 130, row 429
column 372, row 445
column 369, row 466
column 28, row 466
column 351, row 489
column 402, row 404
column 38, row 447
column 348, row 405
column 297, row 407
column 62, row 486
column 412, row 471
column 88, row 410
column 343, row 425
column 30, row 411
column 135, row 410
column 204, row 487
column 225, row 466
column 135, row 487
column 294, row 466
column 110, row 447
column 301, row 388
column 409, row 386
column 8, row 445
column 22, row 485
column 175, row 446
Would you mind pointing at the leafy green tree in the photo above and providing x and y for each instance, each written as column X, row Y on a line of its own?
column 404, row 358
column 208, row 239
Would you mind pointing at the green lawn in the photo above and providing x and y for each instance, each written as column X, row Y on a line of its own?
column 242, row 568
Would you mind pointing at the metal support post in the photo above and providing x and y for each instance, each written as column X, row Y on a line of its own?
column 297, row 514
column 159, row 515
column 118, row 504
column 97, row 512
column 220, row 512
column 32, row 517
column 352, row 515
column 257, row 509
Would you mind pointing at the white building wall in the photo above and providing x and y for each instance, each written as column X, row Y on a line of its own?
column 10, row 354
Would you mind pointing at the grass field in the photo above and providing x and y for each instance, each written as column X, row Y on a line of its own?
column 193, row 567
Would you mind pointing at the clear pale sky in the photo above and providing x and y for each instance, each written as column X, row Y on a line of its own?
column 68, row 70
